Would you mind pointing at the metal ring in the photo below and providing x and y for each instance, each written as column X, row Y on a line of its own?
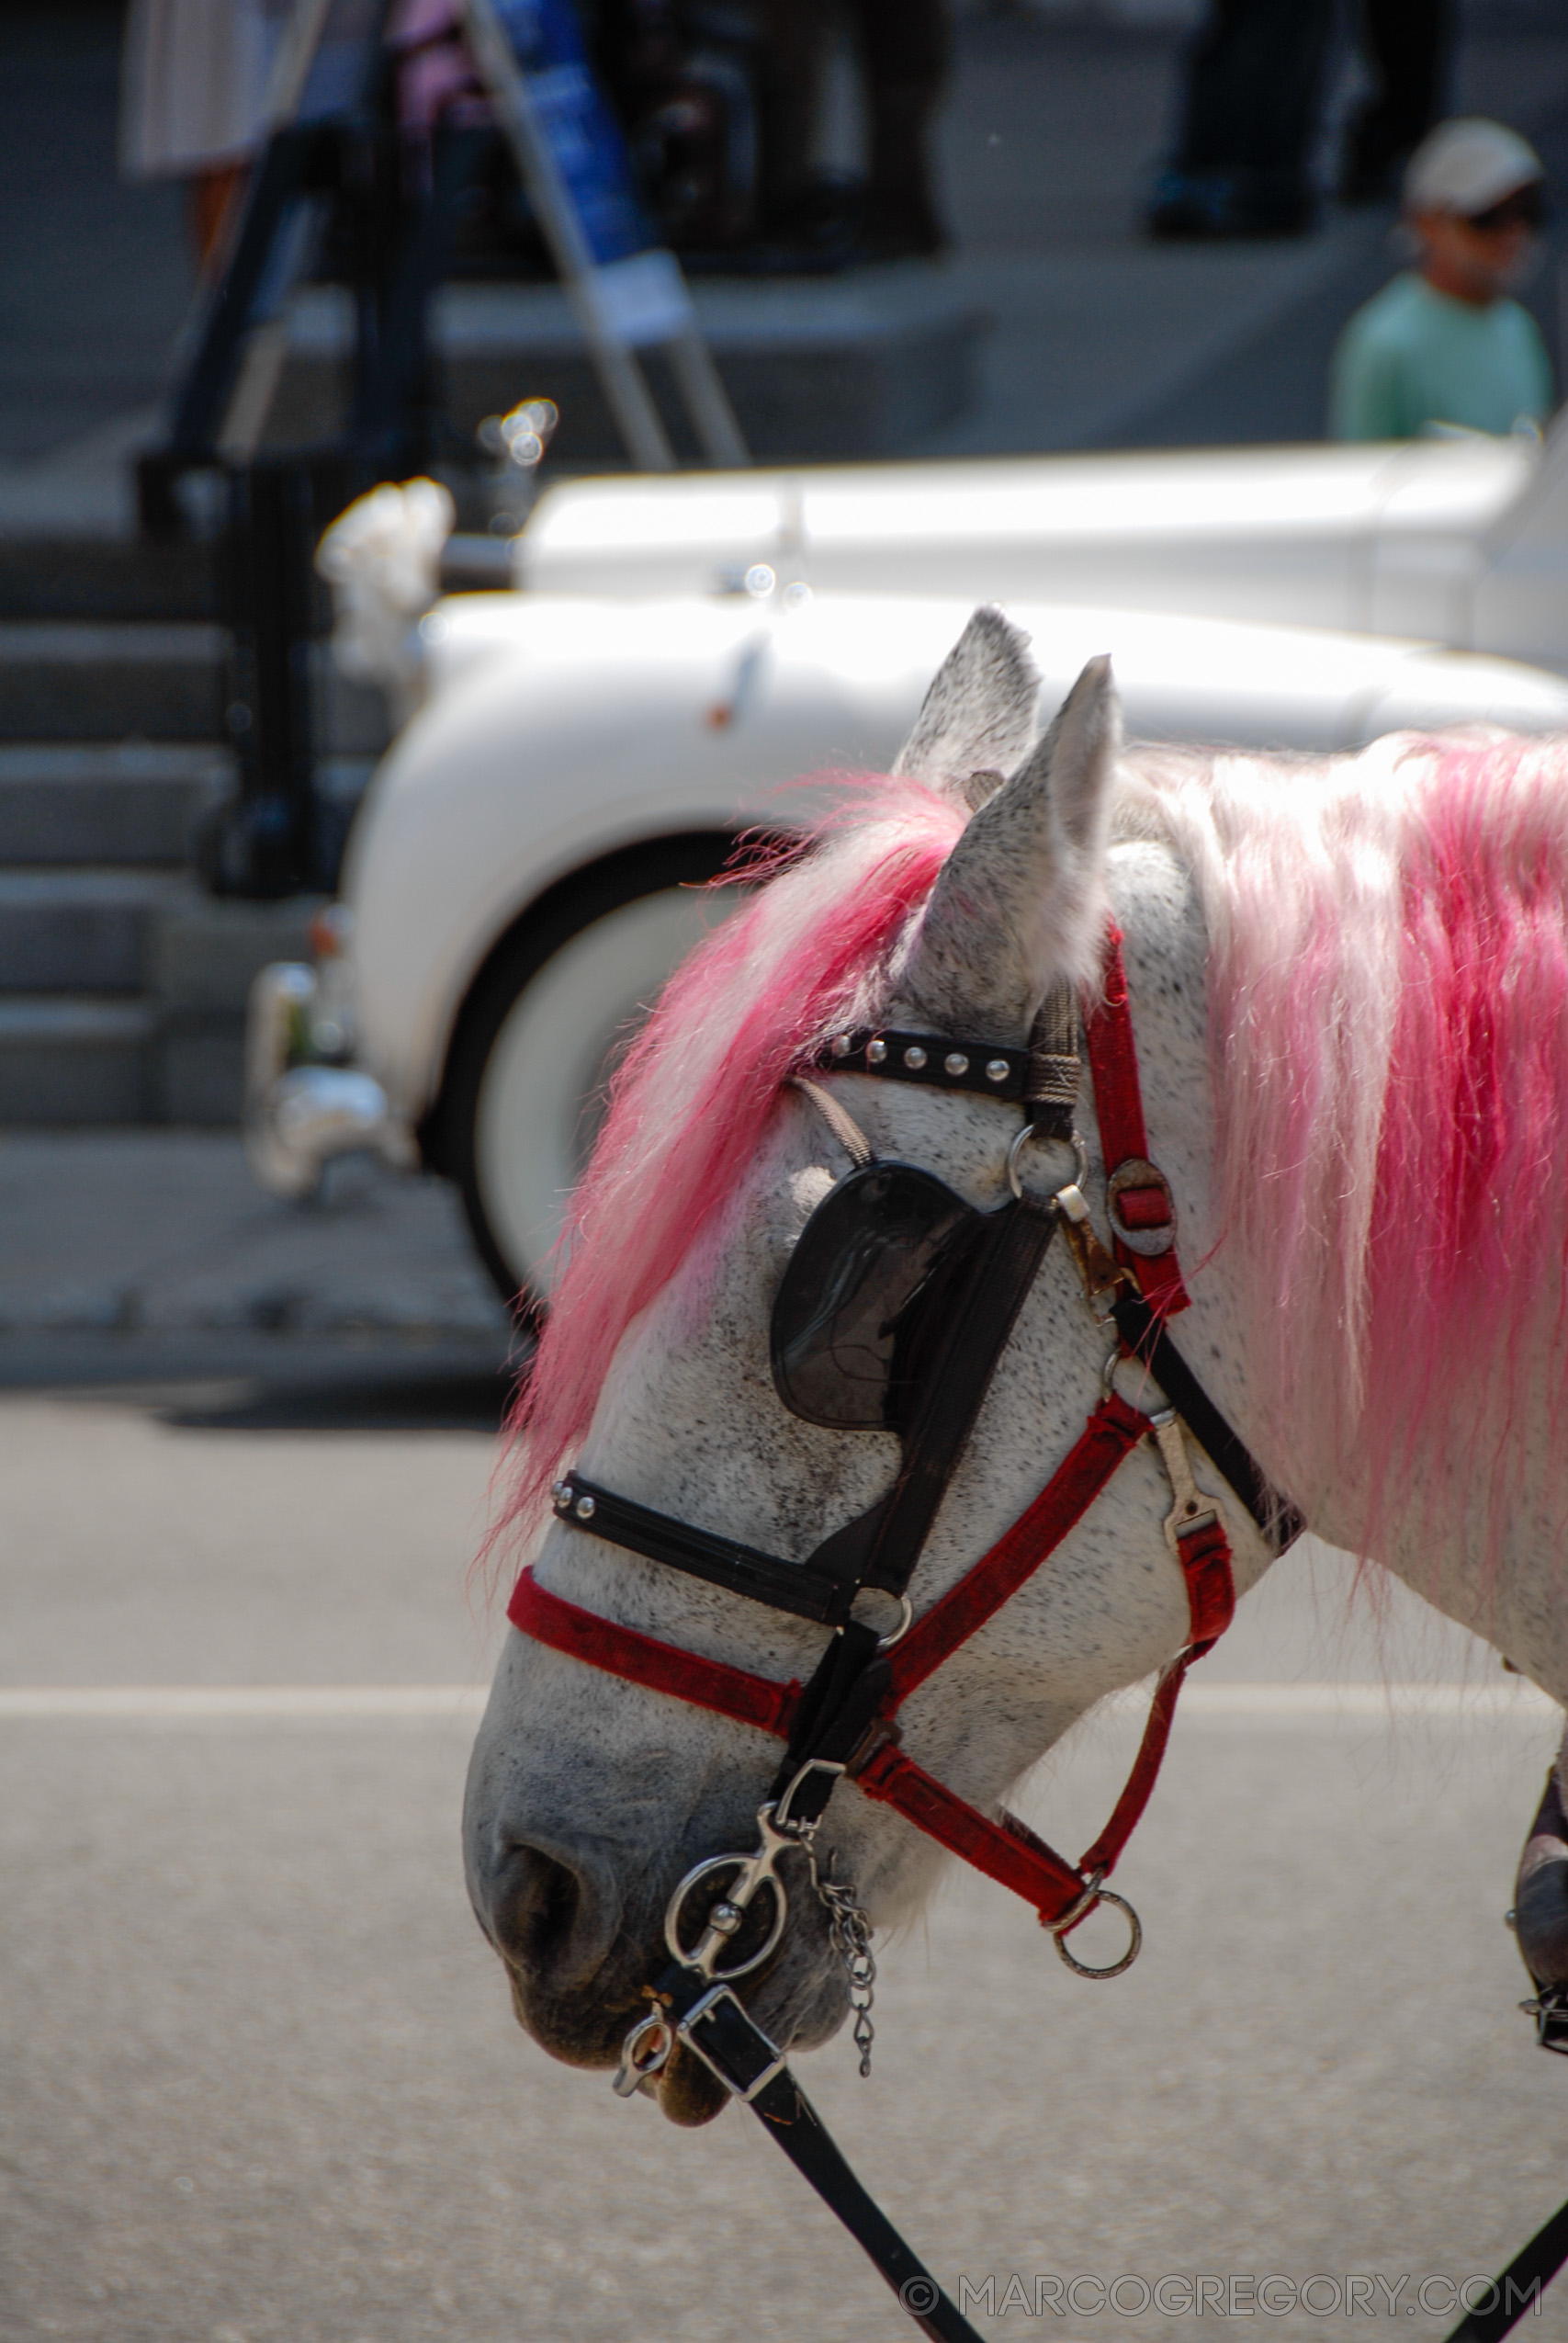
column 1087, row 1901
column 1080, row 1157
column 635, row 2069
column 906, row 1616
column 678, row 1952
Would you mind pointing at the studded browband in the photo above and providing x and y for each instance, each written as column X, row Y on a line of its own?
column 1044, row 1078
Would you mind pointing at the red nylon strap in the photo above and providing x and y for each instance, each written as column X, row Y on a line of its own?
column 1205, row 1557
column 622, row 1651
column 1128, row 1812
column 1007, row 1850
column 1118, row 1102
column 1112, row 1430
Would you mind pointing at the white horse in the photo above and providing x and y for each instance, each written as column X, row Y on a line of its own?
column 1349, row 981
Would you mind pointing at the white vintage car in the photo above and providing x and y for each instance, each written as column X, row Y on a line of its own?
column 682, row 651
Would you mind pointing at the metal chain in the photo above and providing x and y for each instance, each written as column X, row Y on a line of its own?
column 848, row 1932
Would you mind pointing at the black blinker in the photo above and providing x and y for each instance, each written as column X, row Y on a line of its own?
column 860, row 1291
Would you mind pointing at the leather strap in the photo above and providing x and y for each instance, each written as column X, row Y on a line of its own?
column 837, row 1711
column 1007, row 1850
column 1002, row 1270
column 1128, row 1811
column 1520, row 2288
column 1142, row 1328
column 795, row 1587
column 1118, row 1103
column 1042, row 1079
column 938, row 1061
column 1054, row 1067
column 788, row 2115
column 716, row 2026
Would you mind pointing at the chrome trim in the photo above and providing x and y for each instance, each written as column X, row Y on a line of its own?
column 298, row 1115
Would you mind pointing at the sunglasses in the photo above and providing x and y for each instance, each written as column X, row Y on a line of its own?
column 870, row 1289
column 1525, row 209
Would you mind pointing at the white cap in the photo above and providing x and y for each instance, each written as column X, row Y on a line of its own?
column 1468, row 165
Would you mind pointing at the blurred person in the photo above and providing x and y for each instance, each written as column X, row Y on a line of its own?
column 902, row 48
column 194, row 81
column 1409, row 47
column 1443, row 344
column 1254, row 87
column 1250, row 112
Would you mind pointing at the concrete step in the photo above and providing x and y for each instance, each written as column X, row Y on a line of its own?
column 109, row 576
column 171, row 1051
column 80, row 683
column 128, row 802
column 77, row 1060
column 78, row 931
column 858, row 365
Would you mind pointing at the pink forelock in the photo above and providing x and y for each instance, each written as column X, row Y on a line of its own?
column 805, row 955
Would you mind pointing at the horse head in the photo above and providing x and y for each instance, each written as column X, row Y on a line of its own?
column 950, row 900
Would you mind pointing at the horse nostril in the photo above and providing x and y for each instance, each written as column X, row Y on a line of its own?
column 549, row 1900
column 554, row 1916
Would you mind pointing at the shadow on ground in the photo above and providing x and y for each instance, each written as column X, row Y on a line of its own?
column 451, row 1402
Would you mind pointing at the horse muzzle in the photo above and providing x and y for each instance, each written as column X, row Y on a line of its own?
column 580, row 1925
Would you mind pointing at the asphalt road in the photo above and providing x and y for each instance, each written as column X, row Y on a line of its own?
column 261, row 2080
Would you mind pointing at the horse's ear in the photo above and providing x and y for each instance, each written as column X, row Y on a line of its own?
column 1022, row 899
column 978, row 722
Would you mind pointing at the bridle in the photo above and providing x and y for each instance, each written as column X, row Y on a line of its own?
column 844, row 1723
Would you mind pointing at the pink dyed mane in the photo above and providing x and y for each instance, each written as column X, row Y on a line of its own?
column 1388, row 1003
column 805, row 956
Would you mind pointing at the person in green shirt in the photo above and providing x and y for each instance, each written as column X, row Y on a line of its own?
column 1444, row 345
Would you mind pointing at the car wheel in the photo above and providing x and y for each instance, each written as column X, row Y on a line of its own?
column 544, row 1028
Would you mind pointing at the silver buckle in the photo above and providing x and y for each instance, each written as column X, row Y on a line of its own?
column 709, row 2001
column 1194, row 1509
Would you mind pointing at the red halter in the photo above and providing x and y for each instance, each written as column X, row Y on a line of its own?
column 1143, row 1223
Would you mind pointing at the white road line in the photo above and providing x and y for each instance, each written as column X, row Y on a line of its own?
column 332, row 1704
column 1282, row 1703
